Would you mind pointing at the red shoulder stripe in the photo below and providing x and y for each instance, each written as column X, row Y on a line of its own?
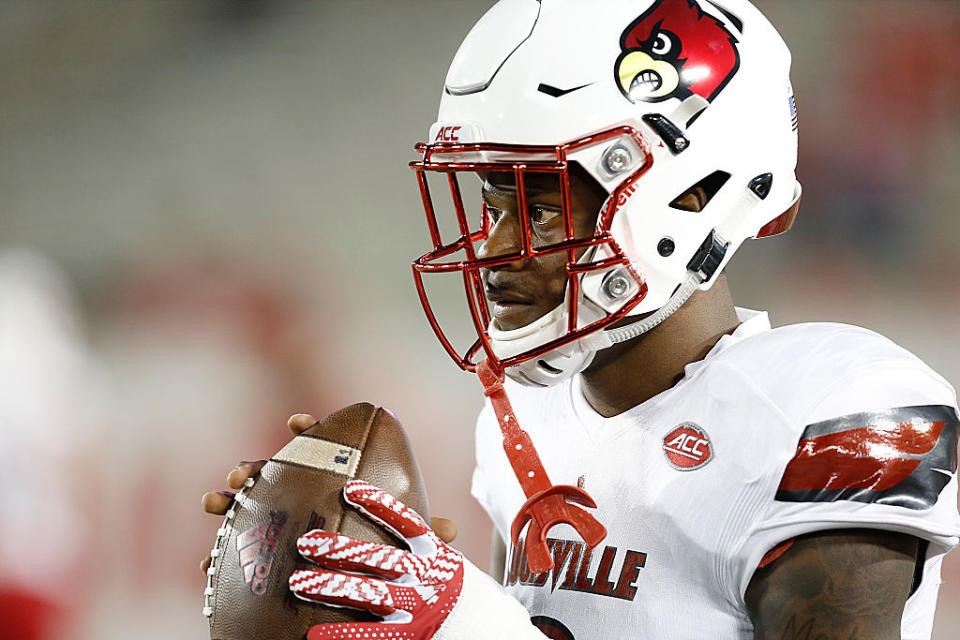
column 901, row 456
column 871, row 457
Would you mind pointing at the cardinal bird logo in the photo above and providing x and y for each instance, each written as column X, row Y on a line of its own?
column 675, row 50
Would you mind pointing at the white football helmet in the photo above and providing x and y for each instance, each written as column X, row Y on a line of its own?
column 649, row 97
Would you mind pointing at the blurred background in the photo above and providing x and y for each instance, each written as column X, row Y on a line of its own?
column 206, row 224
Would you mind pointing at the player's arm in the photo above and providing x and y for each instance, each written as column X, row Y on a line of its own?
column 848, row 584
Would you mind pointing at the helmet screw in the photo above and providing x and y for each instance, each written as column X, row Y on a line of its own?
column 616, row 286
column 665, row 247
column 681, row 144
column 617, row 159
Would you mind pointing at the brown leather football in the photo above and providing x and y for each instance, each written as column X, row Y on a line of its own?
column 300, row 489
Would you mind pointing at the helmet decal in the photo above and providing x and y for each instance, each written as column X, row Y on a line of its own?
column 606, row 280
column 675, row 50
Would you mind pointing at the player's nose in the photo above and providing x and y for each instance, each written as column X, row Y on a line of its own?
column 502, row 240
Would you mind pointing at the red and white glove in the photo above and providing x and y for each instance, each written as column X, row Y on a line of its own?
column 429, row 592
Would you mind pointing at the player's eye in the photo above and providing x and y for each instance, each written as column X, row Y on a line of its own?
column 493, row 214
column 542, row 215
column 661, row 46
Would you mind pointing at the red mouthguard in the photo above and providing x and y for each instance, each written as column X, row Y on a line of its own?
column 547, row 504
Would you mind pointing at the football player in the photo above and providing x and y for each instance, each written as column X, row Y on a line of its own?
column 797, row 482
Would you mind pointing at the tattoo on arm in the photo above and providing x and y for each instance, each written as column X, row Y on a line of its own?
column 805, row 628
column 836, row 585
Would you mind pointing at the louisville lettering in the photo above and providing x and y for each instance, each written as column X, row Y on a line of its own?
column 613, row 574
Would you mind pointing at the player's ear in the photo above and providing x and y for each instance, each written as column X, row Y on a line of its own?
column 693, row 199
column 696, row 197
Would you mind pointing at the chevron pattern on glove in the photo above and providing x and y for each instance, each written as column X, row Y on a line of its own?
column 413, row 591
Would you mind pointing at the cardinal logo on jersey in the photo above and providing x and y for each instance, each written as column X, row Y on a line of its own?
column 688, row 447
column 675, row 50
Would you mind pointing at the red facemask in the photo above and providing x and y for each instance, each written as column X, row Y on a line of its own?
column 458, row 254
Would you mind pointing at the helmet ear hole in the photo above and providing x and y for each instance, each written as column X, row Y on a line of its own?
column 543, row 365
column 698, row 195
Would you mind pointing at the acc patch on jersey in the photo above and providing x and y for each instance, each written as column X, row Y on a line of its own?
column 687, row 447
column 903, row 456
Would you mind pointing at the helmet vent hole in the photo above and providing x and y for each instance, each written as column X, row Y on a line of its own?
column 530, row 381
column 546, row 367
column 698, row 195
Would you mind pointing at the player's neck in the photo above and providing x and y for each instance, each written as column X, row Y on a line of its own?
column 631, row 373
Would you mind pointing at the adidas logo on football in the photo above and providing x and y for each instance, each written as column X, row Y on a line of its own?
column 256, row 547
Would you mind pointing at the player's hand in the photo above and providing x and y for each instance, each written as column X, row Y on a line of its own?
column 217, row 502
column 430, row 592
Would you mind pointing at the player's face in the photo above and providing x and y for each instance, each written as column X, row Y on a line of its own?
column 524, row 290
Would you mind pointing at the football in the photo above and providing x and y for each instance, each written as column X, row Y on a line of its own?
column 300, row 489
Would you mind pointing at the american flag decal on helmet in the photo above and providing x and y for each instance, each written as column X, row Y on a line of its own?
column 794, row 118
column 903, row 456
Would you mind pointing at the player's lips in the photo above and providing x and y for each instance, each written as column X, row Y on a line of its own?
column 506, row 296
column 509, row 308
column 509, row 313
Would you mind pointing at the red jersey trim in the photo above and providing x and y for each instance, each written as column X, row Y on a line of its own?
column 774, row 554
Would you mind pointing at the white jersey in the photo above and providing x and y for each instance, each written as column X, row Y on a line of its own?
column 775, row 433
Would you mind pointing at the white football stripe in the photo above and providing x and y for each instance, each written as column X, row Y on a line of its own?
column 322, row 454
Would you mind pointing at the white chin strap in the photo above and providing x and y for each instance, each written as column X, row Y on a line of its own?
column 568, row 360
column 556, row 365
column 609, row 337
column 507, row 344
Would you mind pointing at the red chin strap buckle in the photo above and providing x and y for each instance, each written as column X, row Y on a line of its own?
column 547, row 504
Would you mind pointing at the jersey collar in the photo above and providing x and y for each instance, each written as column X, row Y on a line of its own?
column 751, row 323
